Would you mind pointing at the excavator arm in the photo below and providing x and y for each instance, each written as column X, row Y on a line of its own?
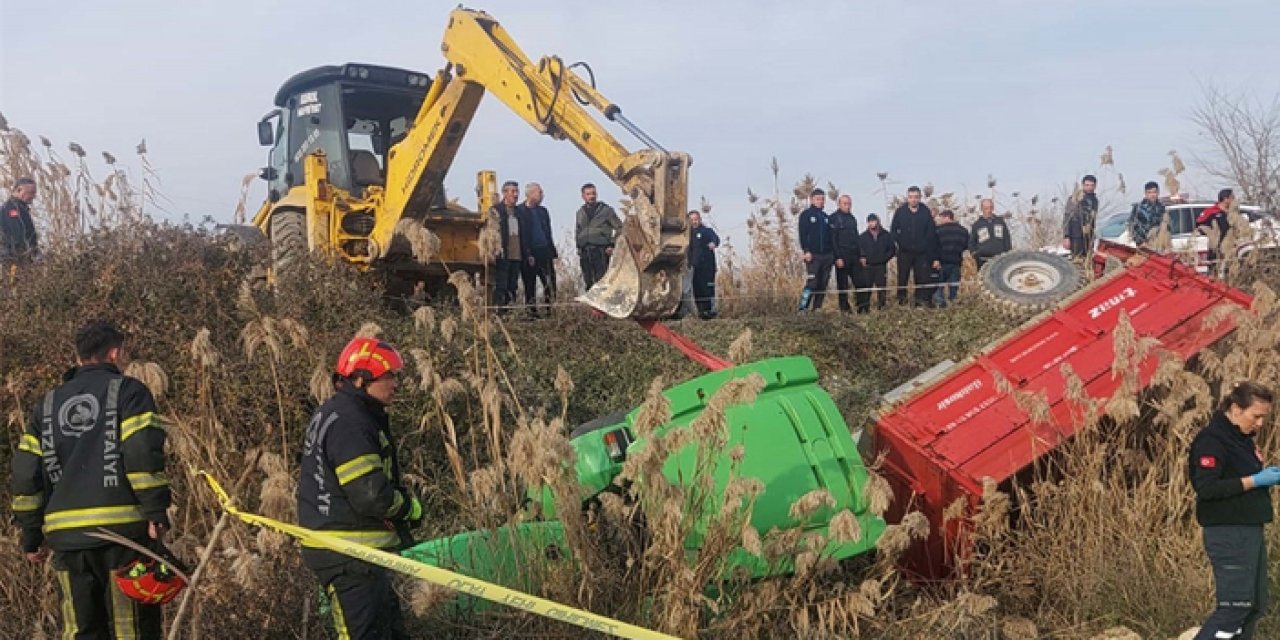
column 645, row 273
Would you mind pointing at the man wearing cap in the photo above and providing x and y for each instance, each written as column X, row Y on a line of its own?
column 875, row 249
column 350, row 487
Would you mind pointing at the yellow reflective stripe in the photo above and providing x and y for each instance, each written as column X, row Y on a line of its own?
column 69, row 626
column 339, row 618
column 356, row 467
column 95, row 517
column 27, row 503
column 138, row 423
column 29, row 443
column 141, row 481
column 123, row 615
column 396, row 504
column 376, row 539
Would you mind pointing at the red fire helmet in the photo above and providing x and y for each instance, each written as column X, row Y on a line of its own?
column 149, row 582
column 369, row 357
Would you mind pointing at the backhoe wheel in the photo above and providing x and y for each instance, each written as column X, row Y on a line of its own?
column 288, row 242
column 1025, row 282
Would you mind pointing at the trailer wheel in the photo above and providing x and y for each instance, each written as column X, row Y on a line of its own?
column 1023, row 282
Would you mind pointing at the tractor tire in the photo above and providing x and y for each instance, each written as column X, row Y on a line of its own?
column 1025, row 282
column 288, row 242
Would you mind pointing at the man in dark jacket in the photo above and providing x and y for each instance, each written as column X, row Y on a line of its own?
column 875, row 249
column 703, row 243
column 1080, row 219
column 1146, row 216
column 815, row 241
column 916, row 236
column 990, row 235
column 844, row 242
column 953, row 241
column 595, row 229
column 1213, row 222
column 93, row 457
column 19, row 243
column 350, row 486
column 539, row 248
column 505, row 216
column 1233, row 503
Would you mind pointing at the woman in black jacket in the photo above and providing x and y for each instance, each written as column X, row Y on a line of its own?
column 1233, row 503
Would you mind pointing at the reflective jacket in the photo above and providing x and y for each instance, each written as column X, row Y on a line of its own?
column 92, row 456
column 350, row 479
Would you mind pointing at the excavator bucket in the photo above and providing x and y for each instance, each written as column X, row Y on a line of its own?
column 646, row 271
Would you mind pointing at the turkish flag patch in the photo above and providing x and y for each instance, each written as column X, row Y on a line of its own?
column 13, row 213
column 1208, row 462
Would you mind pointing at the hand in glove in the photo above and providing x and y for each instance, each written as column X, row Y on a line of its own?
column 1268, row 477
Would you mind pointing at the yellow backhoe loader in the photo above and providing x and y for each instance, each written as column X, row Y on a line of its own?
column 359, row 154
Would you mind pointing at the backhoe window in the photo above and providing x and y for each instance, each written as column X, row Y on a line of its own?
column 374, row 121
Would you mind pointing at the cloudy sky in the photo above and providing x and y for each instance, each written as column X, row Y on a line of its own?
column 929, row 91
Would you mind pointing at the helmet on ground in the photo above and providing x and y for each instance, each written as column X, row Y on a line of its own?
column 149, row 581
column 369, row 358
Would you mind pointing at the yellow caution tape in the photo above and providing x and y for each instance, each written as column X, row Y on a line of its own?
column 442, row 577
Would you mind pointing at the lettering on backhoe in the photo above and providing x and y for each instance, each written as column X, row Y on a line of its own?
column 959, row 395
column 306, row 145
column 422, row 156
column 1112, row 302
column 308, row 104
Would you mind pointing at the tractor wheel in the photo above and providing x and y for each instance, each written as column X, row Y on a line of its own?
column 1024, row 282
column 288, row 241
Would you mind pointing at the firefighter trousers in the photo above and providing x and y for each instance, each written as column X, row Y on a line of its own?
column 363, row 601
column 92, row 607
column 1238, row 554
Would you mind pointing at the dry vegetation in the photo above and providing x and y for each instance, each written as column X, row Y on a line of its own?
column 1104, row 535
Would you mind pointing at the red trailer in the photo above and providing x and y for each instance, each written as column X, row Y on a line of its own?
column 948, row 434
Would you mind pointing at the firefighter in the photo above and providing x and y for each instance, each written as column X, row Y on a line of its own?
column 1232, row 483
column 989, row 236
column 19, row 243
column 350, row 486
column 815, row 241
column 844, row 241
column 875, row 250
column 703, row 242
column 595, row 229
column 93, row 457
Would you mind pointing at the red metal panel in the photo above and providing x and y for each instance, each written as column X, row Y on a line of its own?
column 945, row 438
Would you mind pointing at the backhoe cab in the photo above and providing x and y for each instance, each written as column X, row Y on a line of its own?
column 345, row 121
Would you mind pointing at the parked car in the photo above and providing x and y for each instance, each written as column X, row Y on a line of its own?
column 1180, row 219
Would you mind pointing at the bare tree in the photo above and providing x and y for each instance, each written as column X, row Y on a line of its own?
column 1244, row 135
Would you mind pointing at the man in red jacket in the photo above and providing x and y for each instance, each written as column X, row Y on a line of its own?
column 1213, row 222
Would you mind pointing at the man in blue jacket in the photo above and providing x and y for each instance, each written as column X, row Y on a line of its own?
column 815, row 241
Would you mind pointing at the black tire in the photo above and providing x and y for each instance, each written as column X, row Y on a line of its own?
column 288, row 241
column 1024, row 282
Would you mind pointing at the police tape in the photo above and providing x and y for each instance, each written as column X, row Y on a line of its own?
column 443, row 577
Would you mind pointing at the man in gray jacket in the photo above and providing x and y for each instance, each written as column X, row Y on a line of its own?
column 597, row 227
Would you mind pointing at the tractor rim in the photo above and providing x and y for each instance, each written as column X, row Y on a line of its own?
column 1032, row 277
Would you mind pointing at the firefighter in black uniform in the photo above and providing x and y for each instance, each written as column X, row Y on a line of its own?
column 351, row 487
column 93, row 457
column 875, row 249
column 815, row 241
column 19, row 243
column 1233, row 503
column 844, row 241
column 703, row 242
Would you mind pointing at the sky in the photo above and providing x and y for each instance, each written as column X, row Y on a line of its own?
column 930, row 91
